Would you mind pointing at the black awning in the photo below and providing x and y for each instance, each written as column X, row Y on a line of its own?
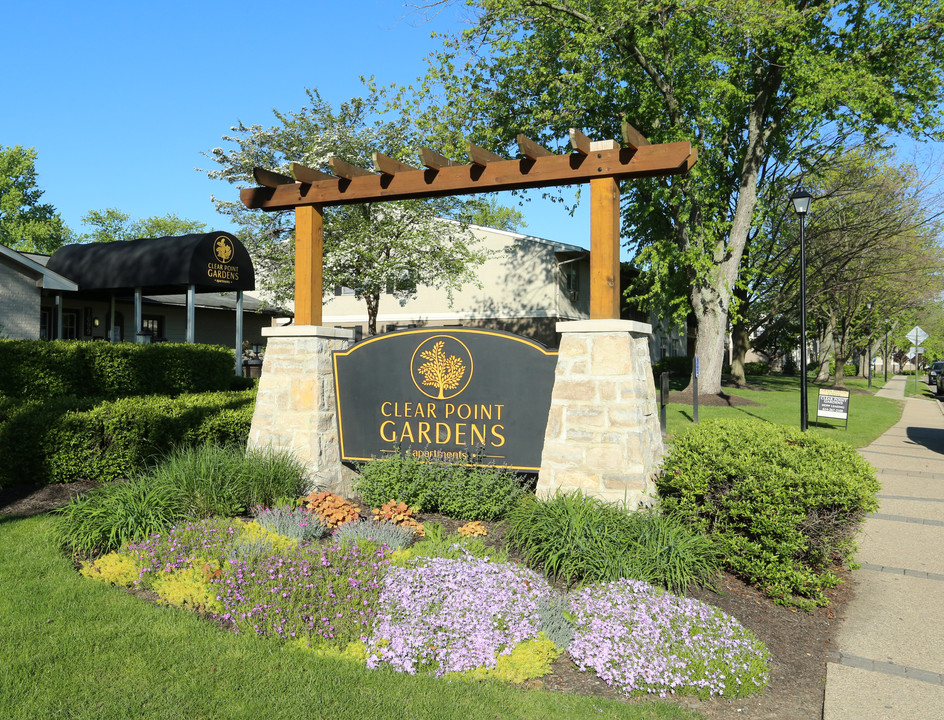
column 213, row 262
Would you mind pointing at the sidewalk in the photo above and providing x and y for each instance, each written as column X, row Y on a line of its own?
column 890, row 663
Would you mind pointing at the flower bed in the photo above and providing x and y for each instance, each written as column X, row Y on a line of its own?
column 464, row 614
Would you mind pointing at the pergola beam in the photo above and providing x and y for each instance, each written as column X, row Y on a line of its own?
column 531, row 149
column 270, row 179
column 450, row 179
column 389, row 166
column 433, row 160
column 480, row 156
column 304, row 174
column 346, row 170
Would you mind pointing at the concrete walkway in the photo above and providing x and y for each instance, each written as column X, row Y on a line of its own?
column 890, row 663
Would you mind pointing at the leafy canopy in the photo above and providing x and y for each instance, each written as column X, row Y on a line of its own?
column 26, row 223
column 111, row 224
column 370, row 248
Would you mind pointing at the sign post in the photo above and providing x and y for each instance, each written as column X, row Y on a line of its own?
column 918, row 336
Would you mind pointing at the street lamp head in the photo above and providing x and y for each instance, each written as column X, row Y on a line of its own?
column 801, row 200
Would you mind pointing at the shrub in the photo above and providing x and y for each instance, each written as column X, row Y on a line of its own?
column 398, row 514
column 579, row 539
column 428, row 615
column 758, row 367
column 781, row 504
column 642, row 640
column 466, row 491
column 42, row 370
column 529, row 659
column 680, row 365
column 66, row 439
column 104, row 519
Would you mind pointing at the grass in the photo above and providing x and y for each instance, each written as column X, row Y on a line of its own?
column 71, row 648
column 779, row 402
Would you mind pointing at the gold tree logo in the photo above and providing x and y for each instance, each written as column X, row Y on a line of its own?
column 448, row 374
column 223, row 249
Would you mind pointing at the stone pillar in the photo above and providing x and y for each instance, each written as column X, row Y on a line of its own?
column 295, row 406
column 603, row 436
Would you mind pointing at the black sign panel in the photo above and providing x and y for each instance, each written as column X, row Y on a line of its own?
column 442, row 393
column 833, row 404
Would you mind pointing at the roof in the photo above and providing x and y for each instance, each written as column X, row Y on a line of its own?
column 50, row 279
column 217, row 301
column 212, row 262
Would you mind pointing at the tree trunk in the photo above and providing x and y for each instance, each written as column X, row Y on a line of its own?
column 826, row 347
column 373, row 306
column 740, row 340
column 711, row 310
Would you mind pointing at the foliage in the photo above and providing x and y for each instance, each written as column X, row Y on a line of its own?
column 65, row 439
column 466, row 491
column 399, row 513
column 393, row 536
column 753, row 86
column 40, row 369
column 332, row 509
column 676, row 365
column 105, row 518
column 782, row 505
column 295, row 523
column 579, row 538
column 529, row 659
column 26, row 224
column 188, row 587
column 556, row 620
column 454, row 615
column 189, row 545
column 473, row 529
column 371, row 247
column 112, row 225
column 227, row 480
column 449, row 547
column 641, row 640
column 191, row 483
column 98, row 634
column 114, row 568
column 758, row 367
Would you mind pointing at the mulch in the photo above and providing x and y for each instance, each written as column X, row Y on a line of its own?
column 800, row 643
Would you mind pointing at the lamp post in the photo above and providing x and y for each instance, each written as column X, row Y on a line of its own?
column 801, row 204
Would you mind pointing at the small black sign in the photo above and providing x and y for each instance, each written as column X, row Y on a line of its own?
column 442, row 394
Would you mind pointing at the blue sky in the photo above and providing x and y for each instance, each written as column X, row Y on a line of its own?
column 120, row 99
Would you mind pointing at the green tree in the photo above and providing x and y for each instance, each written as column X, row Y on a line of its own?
column 111, row 224
column 25, row 222
column 745, row 82
column 371, row 248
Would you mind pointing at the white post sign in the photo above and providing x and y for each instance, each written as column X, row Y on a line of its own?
column 917, row 336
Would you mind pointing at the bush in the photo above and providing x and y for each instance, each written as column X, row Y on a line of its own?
column 579, row 538
column 759, row 367
column 40, row 370
column 67, row 438
column 463, row 491
column 781, row 504
column 681, row 365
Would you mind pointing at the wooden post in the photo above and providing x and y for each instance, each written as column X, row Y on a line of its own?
column 309, row 245
column 604, row 242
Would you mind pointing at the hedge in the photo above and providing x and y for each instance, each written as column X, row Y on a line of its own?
column 40, row 370
column 782, row 505
column 70, row 438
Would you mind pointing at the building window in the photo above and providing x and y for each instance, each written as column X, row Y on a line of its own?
column 45, row 324
column 570, row 279
column 153, row 324
column 70, row 324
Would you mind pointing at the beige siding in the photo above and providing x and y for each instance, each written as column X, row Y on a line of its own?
column 19, row 302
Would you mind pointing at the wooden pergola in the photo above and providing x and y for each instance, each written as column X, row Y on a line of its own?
column 601, row 163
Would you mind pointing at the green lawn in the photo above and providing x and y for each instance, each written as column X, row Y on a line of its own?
column 779, row 402
column 74, row 648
